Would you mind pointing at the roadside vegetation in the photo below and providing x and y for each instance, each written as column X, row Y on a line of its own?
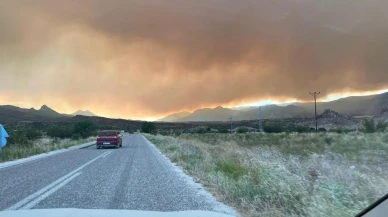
column 285, row 174
column 25, row 142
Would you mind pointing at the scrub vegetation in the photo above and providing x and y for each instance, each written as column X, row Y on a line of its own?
column 297, row 174
column 25, row 142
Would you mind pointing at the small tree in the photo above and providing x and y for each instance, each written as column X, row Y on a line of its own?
column 223, row 130
column 272, row 128
column 32, row 134
column 84, row 128
column 201, row 130
column 369, row 125
column 242, row 130
column 60, row 132
column 148, row 127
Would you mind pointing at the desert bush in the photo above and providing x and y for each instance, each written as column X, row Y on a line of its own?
column 322, row 130
column 230, row 168
column 223, row 130
column 285, row 174
column 272, row 128
column 302, row 129
column 60, row 132
column 84, row 128
column 148, row 127
column 242, row 130
column 369, row 125
column 18, row 137
column 201, row 130
column 32, row 134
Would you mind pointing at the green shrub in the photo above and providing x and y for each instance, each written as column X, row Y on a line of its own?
column 201, row 130
column 230, row 168
column 369, row 125
column 242, row 130
column 322, row 130
column 148, row 127
column 329, row 140
column 18, row 137
column 302, row 129
column 337, row 130
column 32, row 134
column 84, row 128
column 223, row 130
column 272, row 128
column 60, row 132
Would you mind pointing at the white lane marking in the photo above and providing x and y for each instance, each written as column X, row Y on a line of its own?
column 107, row 153
column 49, row 192
column 48, row 187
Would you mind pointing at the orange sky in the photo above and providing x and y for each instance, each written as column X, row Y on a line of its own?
column 145, row 59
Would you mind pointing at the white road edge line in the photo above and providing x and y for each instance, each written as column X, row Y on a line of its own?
column 48, row 187
column 107, row 153
column 49, row 192
column 40, row 156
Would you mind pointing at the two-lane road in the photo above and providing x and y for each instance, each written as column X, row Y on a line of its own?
column 134, row 177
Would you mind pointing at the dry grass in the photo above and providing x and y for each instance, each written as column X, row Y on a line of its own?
column 43, row 145
column 285, row 174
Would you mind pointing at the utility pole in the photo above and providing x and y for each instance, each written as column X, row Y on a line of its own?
column 258, row 116
column 230, row 119
column 315, row 94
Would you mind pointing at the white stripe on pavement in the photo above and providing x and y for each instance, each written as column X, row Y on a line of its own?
column 52, row 185
column 107, row 153
column 49, row 192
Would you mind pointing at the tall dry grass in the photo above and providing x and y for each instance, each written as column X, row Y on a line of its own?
column 285, row 174
column 39, row 146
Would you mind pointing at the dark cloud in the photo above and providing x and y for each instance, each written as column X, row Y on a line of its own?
column 147, row 58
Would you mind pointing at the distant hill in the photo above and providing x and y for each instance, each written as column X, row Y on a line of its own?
column 274, row 111
column 210, row 114
column 352, row 106
column 83, row 113
column 375, row 105
column 13, row 114
column 46, row 112
column 175, row 117
column 222, row 114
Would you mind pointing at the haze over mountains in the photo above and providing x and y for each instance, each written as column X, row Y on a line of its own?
column 350, row 106
column 83, row 113
column 375, row 105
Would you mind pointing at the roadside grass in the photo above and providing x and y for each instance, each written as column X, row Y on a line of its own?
column 280, row 175
column 39, row 146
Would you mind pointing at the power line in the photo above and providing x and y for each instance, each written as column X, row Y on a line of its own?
column 315, row 94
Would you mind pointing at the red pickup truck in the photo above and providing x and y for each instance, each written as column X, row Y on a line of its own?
column 109, row 138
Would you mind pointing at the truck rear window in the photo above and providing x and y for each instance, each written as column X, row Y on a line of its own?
column 107, row 133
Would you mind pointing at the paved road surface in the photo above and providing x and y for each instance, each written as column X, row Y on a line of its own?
column 135, row 177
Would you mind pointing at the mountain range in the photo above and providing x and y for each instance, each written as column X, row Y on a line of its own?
column 373, row 105
column 14, row 114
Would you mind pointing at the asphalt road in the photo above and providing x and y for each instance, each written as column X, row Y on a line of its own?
column 134, row 177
